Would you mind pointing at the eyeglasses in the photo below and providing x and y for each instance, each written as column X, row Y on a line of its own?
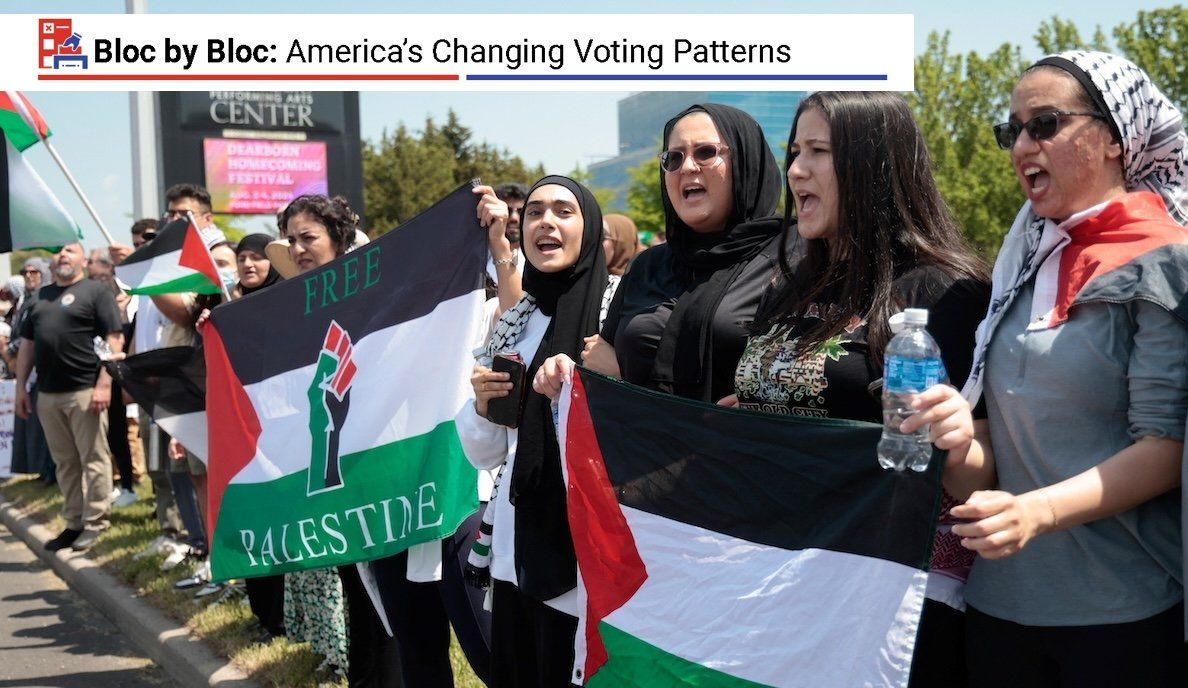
column 30, row 272
column 1040, row 128
column 704, row 154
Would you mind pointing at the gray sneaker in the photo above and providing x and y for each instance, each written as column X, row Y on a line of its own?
column 86, row 540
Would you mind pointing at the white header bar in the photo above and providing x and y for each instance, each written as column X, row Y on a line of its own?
column 453, row 52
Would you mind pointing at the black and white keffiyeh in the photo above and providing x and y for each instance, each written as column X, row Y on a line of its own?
column 1154, row 158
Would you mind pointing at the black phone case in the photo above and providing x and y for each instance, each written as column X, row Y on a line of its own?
column 506, row 410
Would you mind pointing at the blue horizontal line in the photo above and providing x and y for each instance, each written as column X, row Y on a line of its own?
column 676, row 77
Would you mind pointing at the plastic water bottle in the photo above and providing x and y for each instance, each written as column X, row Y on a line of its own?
column 911, row 365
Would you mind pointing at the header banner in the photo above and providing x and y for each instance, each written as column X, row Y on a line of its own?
column 458, row 52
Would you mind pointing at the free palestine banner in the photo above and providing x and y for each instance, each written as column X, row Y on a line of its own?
column 719, row 547
column 331, row 398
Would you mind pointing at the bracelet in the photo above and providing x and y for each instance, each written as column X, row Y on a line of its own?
column 1052, row 510
column 504, row 261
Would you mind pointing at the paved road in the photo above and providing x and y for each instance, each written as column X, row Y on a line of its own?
column 52, row 638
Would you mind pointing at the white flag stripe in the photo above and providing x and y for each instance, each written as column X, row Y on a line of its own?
column 159, row 270
column 190, row 430
column 413, row 356
column 832, row 619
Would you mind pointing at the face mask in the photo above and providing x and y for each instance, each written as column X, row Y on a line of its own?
column 229, row 277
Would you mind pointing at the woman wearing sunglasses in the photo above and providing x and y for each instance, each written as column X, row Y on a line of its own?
column 678, row 322
column 1083, row 362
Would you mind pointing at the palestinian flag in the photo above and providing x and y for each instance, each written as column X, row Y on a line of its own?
column 1131, row 250
column 721, row 547
column 176, row 261
column 170, row 385
column 18, row 126
column 30, row 214
column 331, row 400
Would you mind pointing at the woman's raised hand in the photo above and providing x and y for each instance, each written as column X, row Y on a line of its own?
column 488, row 385
column 552, row 375
column 492, row 213
column 599, row 356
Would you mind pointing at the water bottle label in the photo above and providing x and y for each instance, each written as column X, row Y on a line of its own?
column 909, row 376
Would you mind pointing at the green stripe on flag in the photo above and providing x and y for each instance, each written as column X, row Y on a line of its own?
column 393, row 496
column 19, row 134
column 634, row 662
column 194, row 282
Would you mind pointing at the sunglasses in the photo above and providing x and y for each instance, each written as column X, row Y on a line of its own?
column 1040, row 128
column 30, row 272
column 704, row 154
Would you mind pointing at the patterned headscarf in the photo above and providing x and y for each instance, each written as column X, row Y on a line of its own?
column 1154, row 157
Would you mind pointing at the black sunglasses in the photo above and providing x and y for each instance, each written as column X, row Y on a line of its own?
column 1040, row 128
column 702, row 154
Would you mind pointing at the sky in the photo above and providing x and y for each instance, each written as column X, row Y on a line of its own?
column 92, row 130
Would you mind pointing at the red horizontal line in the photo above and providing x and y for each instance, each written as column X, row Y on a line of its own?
column 247, row 77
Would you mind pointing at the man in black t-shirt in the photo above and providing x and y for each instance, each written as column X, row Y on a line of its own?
column 57, row 336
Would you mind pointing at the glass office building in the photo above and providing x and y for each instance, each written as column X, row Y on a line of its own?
column 642, row 117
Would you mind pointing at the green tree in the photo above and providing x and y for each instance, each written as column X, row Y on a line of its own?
column 402, row 175
column 605, row 197
column 1155, row 41
column 644, row 205
column 405, row 172
column 957, row 100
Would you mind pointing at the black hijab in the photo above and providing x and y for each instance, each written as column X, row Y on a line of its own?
column 684, row 357
column 545, row 563
column 256, row 243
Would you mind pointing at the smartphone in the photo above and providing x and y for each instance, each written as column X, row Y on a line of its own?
column 507, row 410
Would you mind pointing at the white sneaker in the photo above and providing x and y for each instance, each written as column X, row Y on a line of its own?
column 201, row 577
column 124, row 499
column 175, row 553
column 154, row 547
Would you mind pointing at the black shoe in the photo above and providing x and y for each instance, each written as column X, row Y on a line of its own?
column 64, row 540
column 85, row 541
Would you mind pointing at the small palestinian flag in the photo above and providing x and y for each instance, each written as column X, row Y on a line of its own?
column 176, row 261
column 170, row 385
column 16, row 125
column 30, row 214
column 331, row 400
column 1131, row 250
column 729, row 548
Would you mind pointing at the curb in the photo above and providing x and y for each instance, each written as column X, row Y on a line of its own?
column 187, row 660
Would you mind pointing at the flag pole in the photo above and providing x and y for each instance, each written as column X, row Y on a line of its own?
column 222, row 287
column 25, row 115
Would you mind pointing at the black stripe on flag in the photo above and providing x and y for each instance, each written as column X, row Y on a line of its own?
column 264, row 333
column 775, row 480
column 165, row 382
column 170, row 238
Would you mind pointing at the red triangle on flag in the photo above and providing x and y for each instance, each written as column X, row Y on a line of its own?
column 196, row 256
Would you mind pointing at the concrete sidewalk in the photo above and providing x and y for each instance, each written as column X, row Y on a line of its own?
column 188, row 661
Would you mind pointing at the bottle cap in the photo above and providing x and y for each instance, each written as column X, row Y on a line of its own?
column 915, row 316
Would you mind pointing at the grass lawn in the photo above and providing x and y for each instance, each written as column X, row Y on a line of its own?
column 224, row 626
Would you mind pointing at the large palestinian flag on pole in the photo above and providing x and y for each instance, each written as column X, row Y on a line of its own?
column 718, row 547
column 30, row 214
column 176, row 261
column 331, row 398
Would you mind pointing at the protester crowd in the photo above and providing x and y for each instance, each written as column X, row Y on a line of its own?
column 1057, row 560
